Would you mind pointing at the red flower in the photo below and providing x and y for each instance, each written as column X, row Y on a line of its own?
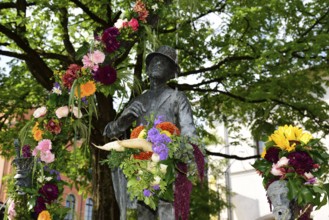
column 133, row 23
column 70, row 75
column 168, row 126
column 54, row 126
column 143, row 155
column 109, row 38
column 135, row 132
column 106, row 75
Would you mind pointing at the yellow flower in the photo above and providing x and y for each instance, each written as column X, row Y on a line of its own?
column 142, row 134
column 35, row 127
column 280, row 140
column 305, row 137
column 166, row 133
column 44, row 215
column 263, row 153
column 87, row 89
column 291, row 147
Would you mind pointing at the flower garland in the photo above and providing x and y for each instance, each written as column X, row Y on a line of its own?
column 151, row 175
column 293, row 155
column 59, row 125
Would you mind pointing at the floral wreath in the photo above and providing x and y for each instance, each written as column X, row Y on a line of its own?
column 171, row 160
column 293, row 155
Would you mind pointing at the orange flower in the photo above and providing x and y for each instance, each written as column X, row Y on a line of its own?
column 37, row 135
column 44, row 215
column 168, row 126
column 135, row 132
column 87, row 89
column 143, row 155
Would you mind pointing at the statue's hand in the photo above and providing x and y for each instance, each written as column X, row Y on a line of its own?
column 130, row 114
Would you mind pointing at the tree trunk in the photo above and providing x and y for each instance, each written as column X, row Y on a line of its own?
column 105, row 205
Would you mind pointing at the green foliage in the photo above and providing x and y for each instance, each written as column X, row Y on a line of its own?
column 260, row 63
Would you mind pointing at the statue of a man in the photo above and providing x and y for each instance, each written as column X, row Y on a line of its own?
column 278, row 195
column 159, row 100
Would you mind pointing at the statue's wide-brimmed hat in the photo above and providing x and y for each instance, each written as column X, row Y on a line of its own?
column 167, row 52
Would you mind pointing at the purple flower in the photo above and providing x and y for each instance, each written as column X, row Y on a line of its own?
column 272, row 154
column 147, row 193
column 106, row 75
column 156, row 187
column 158, row 120
column 26, row 151
column 161, row 149
column 109, row 38
column 311, row 181
column 49, row 191
column 301, row 162
column 40, row 205
column 84, row 100
column 154, row 136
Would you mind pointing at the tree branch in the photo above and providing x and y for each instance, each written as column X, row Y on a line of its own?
column 34, row 62
column 13, row 54
column 216, row 66
column 232, row 156
column 90, row 13
column 66, row 37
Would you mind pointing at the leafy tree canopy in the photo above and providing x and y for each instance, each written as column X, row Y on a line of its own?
column 260, row 63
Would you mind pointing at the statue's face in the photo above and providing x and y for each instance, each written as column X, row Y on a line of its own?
column 160, row 67
column 277, row 192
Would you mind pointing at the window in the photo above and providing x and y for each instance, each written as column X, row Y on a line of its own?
column 70, row 203
column 89, row 209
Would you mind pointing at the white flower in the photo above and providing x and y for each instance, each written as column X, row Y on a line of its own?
column 156, row 181
column 155, row 157
column 76, row 112
column 62, row 112
column 155, row 7
column 57, row 90
column 308, row 175
column 119, row 23
column 151, row 166
column 140, row 172
column 39, row 112
column 163, row 168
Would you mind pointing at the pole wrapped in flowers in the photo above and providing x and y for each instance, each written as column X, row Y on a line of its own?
column 295, row 156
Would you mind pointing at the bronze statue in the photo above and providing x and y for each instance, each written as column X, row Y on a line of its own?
column 160, row 100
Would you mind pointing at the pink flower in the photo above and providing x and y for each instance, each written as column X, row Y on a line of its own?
column 11, row 211
column 277, row 171
column 43, row 146
column 133, row 23
column 98, row 57
column 39, row 112
column 282, row 162
column 91, row 60
column 47, row 157
column 62, row 112
column 121, row 23
column 76, row 112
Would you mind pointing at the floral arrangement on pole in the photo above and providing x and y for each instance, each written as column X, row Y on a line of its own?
column 154, row 159
column 293, row 155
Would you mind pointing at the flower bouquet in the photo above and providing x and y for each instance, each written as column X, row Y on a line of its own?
column 154, row 159
column 294, row 156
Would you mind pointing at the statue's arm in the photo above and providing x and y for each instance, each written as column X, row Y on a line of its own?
column 128, row 116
